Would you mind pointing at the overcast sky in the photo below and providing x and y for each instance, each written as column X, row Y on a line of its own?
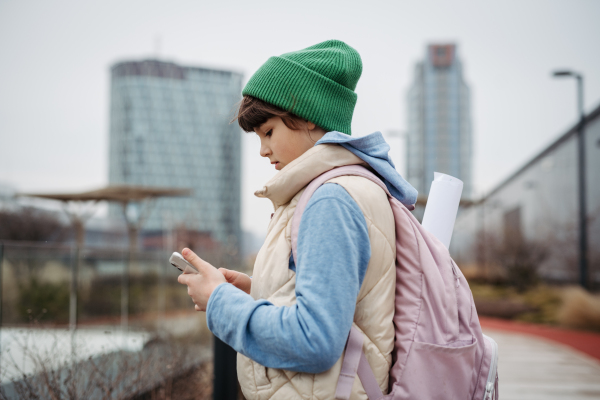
column 55, row 58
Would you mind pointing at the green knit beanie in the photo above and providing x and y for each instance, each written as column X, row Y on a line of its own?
column 316, row 84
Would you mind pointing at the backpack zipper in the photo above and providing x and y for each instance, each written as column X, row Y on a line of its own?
column 489, row 387
column 455, row 274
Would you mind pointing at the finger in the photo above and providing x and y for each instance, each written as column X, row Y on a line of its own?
column 193, row 259
column 229, row 275
column 183, row 279
column 240, row 279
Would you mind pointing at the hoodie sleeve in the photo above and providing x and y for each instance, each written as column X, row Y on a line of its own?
column 333, row 254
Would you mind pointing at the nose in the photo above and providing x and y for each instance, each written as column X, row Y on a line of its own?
column 265, row 151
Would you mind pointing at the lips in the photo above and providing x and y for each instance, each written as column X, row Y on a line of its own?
column 277, row 163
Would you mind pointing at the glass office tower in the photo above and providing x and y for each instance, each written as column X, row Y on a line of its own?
column 169, row 127
column 439, row 121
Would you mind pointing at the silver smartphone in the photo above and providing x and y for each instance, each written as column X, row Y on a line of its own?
column 181, row 264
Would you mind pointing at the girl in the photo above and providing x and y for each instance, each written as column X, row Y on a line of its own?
column 290, row 322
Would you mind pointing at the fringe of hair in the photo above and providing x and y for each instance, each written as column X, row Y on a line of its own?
column 253, row 112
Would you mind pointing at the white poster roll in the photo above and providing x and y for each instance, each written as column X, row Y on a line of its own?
column 442, row 206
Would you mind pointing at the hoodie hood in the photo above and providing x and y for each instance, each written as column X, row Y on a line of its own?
column 374, row 150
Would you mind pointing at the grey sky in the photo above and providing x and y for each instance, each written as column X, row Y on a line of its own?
column 55, row 55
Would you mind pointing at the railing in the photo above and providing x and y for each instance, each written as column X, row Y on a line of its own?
column 35, row 299
column 36, row 282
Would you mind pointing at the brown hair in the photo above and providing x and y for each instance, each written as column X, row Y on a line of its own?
column 254, row 112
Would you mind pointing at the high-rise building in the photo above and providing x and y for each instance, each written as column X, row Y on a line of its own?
column 170, row 127
column 439, row 121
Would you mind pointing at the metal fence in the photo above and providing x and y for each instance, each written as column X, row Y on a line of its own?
column 36, row 281
column 36, row 297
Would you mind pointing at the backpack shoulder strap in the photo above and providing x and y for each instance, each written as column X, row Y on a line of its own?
column 355, row 361
column 355, row 170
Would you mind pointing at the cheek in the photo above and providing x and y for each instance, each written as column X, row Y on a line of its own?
column 291, row 152
column 298, row 146
column 284, row 151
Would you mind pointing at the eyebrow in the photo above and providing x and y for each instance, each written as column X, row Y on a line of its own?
column 260, row 128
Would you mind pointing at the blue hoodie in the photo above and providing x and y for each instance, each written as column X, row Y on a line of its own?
column 333, row 255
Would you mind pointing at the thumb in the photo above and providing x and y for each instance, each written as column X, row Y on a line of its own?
column 196, row 261
column 229, row 274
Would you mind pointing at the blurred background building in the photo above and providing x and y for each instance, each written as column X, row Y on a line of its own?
column 536, row 207
column 439, row 121
column 170, row 126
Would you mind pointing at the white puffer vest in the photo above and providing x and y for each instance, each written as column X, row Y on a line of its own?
column 274, row 281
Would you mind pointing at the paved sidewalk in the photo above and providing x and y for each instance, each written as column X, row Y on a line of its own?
column 532, row 368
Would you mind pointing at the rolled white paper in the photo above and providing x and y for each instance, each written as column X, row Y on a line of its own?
column 442, row 206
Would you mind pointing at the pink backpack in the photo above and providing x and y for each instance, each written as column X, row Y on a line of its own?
column 439, row 349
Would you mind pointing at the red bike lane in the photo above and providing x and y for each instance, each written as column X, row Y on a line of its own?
column 585, row 342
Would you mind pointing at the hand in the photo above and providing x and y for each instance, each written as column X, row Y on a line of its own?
column 237, row 279
column 200, row 285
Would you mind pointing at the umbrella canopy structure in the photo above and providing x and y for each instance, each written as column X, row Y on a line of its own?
column 123, row 194
column 118, row 193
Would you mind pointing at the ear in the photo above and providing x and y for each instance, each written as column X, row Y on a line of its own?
column 310, row 125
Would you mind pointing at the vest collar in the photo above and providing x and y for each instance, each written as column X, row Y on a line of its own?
column 300, row 172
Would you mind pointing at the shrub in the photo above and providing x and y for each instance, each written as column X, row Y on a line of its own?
column 50, row 300
column 31, row 224
column 512, row 261
column 580, row 310
column 54, row 372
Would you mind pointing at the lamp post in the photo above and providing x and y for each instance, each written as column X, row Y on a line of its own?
column 583, row 261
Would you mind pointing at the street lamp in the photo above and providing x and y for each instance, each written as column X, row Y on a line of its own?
column 583, row 264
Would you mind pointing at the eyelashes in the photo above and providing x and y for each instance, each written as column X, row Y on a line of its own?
column 269, row 133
